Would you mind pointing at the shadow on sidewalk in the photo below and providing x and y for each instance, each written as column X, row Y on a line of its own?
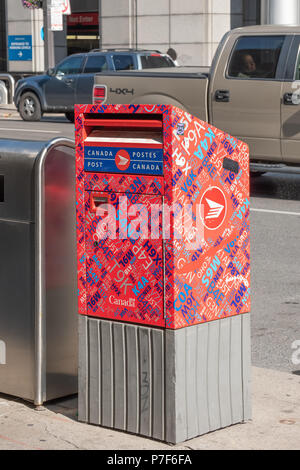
column 67, row 406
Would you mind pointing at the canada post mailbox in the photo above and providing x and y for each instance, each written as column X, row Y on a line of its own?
column 162, row 237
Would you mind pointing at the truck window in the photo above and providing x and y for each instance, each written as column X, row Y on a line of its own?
column 123, row 62
column 297, row 69
column 95, row 63
column 71, row 65
column 255, row 57
column 155, row 60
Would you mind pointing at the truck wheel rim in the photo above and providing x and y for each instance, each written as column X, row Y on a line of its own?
column 29, row 106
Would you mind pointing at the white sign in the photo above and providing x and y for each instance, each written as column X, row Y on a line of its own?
column 56, row 19
column 64, row 5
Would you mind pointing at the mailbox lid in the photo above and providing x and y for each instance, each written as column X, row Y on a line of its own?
column 124, row 276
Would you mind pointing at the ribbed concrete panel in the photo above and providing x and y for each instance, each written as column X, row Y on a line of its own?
column 168, row 385
column 145, row 381
column 201, row 379
column 119, row 357
column 107, row 379
column 211, row 367
column 236, row 383
column 95, row 372
column 246, row 374
column 133, row 401
column 224, row 373
column 83, row 370
column 213, row 375
column 158, row 385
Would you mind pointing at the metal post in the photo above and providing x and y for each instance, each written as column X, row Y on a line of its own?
column 48, row 36
column 284, row 12
column 100, row 24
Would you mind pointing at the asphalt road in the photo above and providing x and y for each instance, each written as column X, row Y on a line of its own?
column 275, row 239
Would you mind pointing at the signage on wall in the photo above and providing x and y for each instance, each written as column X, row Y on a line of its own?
column 20, row 47
column 57, row 10
column 63, row 5
column 83, row 19
column 56, row 19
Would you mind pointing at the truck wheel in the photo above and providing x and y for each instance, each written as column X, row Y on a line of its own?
column 30, row 107
column 70, row 116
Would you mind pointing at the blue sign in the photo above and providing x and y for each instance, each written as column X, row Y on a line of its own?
column 138, row 161
column 20, row 47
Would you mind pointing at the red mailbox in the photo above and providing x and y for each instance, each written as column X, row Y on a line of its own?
column 138, row 165
column 163, row 272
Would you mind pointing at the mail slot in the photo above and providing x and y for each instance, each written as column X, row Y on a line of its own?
column 163, row 264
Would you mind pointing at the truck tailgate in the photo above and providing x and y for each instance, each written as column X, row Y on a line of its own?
column 186, row 88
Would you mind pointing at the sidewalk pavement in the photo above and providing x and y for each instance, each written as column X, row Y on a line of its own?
column 9, row 111
column 275, row 425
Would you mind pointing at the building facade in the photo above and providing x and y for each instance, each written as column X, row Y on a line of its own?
column 192, row 28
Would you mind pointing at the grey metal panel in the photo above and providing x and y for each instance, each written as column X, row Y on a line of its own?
column 38, row 249
column 107, row 379
column 94, row 372
column 180, row 381
column 190, row 382
column 213, row 375
column 175, row 385
column 158, row 388
column 202, row 374
column 145, row 382
column 60, row 268
column 83, row 370
column 246, row 367
column 17, row 159
column 170, row 387
column 119, row 352
column 236, row 386
column 133, row 398
column 224, row 373
column 17, row 308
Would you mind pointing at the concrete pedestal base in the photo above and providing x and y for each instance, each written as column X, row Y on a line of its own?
column 167, row 385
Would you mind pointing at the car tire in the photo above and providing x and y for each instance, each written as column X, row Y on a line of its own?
column 70, row 116
column 30, row 107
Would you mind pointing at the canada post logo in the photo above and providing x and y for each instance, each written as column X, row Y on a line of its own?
column 213, row 208
column 139, row 161
column 122, row 160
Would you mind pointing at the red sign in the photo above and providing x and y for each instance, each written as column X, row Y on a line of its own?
column 215, row 208
column 83, row 19
column 122, row 160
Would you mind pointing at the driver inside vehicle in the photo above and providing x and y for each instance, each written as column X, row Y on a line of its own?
column 248, row 66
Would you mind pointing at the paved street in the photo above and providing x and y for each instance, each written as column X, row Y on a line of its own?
column 275, row 246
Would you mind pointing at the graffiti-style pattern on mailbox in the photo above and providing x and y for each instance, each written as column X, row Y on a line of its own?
column 162, row 217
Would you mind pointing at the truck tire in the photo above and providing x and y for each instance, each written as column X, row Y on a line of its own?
column 70, row 116
column 30, row 107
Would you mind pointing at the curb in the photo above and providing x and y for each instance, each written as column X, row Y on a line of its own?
column 8, row 111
